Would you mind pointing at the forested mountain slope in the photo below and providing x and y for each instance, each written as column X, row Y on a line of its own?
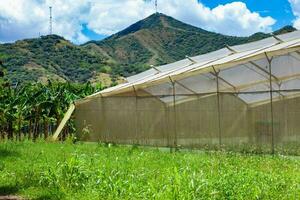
column 156, row 40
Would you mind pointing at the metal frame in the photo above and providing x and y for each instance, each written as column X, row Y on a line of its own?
column 174, row 114
column 219, row 106
column 271, row 103
column 136, row 114
column 243, row 59
column 104, row 118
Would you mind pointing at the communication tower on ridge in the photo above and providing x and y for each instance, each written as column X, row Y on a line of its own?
column 50, row 20
column 155, row 6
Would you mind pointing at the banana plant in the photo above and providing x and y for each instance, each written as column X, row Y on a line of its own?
column 32, row 105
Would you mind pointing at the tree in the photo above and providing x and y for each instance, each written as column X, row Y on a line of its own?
column 27, row 107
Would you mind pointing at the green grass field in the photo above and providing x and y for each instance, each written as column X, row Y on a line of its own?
column 93, row 171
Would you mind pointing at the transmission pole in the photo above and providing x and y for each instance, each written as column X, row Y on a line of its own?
column 50, row 21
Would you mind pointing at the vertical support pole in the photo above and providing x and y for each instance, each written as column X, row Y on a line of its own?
column 50, row 20
column 136, row 141
column 104, row 119
column 174, row 113
column 200, row 113
column 271, row 99
column 168, row 124
column 219, row 106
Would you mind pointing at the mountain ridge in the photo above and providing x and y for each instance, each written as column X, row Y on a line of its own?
column 162, row 39
column 155, row 40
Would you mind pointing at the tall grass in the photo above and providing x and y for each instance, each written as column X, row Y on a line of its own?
column 94, row 171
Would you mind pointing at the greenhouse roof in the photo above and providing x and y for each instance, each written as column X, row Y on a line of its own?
column 241, row 69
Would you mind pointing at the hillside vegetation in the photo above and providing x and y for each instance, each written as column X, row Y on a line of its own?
column 50, row 57
column 160, row 39
column 156, row 40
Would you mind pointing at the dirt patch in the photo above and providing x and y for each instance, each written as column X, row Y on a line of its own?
column 10, row 197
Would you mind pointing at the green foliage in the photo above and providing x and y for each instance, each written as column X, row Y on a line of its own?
column 96, row 171
column 30, row 105
column 160, row 39
column 156, row 40
column 51, row 57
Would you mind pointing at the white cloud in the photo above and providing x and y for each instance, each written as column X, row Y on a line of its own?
column 26, row 18
column 111, row 16
column 234, row 18
column 29, row 18
column 295, row 4
column 17, row 19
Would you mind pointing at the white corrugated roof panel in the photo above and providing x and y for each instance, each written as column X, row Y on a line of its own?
column 142, row 75
column 256, row 45
column 235, row 68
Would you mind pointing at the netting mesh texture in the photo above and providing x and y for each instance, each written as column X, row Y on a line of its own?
column 253, row 106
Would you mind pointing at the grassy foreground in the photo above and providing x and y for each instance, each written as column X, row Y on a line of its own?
column 93, row 171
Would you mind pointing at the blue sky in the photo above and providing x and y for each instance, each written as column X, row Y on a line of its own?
column 84, row 20
column 278, row 9
column 91, row 34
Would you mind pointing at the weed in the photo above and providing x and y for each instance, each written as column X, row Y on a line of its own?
column 44, row 170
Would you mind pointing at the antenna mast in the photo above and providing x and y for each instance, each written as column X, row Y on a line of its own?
column 156, row 6
column 50, row 21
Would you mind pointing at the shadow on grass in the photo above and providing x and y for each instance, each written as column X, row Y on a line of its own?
column 8, row 190
column 49, row 195
column 8, row 153
column 46, row 197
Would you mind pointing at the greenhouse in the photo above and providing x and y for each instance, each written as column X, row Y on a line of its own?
column 245, row 96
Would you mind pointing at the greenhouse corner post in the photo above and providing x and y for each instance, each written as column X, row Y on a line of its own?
column 219, row 106
column 271, row 99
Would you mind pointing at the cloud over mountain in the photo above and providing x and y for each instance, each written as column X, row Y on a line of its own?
column 27, row 18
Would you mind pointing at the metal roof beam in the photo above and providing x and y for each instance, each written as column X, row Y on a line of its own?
column 277, row 38
column 155, row 68
column 231, row 49
column 216, row 74
column 190, row 59
column 185, row 87
column 265, row 71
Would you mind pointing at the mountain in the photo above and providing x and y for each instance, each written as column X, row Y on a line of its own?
column 52, row 57
column 156, row 40
column 160, row 39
